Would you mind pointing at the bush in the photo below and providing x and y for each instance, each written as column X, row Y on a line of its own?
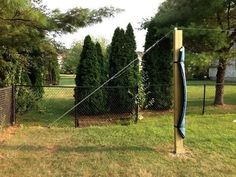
column 197, row 65
column 25, row 100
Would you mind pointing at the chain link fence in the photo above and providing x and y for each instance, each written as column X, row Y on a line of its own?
column 113, row 105
column 108, row 106
column 45, row 109
column 117, row 104
column 201, row 97
column 7, row 106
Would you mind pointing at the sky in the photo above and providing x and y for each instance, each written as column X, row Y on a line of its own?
column 135, row 12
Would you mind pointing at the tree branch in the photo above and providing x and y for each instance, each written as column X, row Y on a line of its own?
column 15, row 19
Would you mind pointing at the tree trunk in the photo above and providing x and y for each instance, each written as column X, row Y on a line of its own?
column 220, row 76
column 49, row 77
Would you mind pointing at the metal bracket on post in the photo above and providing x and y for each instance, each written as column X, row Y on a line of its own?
column 178, row 43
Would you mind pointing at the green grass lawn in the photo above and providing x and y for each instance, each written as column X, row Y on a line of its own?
column 136, row 150
column 66, row 79
column 143, row 149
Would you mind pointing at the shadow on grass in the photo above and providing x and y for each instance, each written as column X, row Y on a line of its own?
column 79, row 149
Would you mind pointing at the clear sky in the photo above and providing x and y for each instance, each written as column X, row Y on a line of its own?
column 135, row 12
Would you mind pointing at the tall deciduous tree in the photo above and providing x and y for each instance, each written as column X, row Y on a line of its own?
column 218, row 15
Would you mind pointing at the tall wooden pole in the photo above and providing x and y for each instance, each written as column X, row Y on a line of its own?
column 178, row 43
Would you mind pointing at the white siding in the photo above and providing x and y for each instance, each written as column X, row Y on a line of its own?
column 230, row 74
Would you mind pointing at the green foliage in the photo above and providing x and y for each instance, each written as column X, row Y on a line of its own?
column 210, row 27
column 26, row 99
column 27, row 54
column 157, row 71
column 218, row 15
column 197, row 65
column 71, row 20
column 122, row 52
column 72, row 55
column 72, row 58
column 130, row 52
column 103, row 68
column 103, row 64
column 88, row 77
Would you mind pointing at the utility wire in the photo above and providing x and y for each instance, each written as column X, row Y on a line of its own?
column 204, row 29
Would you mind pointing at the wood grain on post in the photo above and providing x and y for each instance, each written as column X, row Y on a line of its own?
column 178, row 43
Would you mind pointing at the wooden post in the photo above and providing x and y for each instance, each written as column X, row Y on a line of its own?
column 178, row 43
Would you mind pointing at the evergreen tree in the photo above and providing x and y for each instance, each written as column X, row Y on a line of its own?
column 103, row 72
column 119, row 99
column 130, row 52
column 102, row 63
column 87, row 79
column 157, row 71
column 117, row 59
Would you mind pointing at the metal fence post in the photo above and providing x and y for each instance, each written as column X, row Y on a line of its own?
column 204, row 99
column 75, row 110
column 136, row 104
column 13, row 106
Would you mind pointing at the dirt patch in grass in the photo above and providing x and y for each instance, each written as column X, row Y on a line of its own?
column 168, row 150
column 225, row 106
column 86, row 122
column 8, row 133
column 103, row 120
column 148, row 113
column 120, row 119
column 52, row 148
column 228, row 106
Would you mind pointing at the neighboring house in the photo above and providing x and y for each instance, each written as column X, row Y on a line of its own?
column 60, row 59
column 230, row 73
